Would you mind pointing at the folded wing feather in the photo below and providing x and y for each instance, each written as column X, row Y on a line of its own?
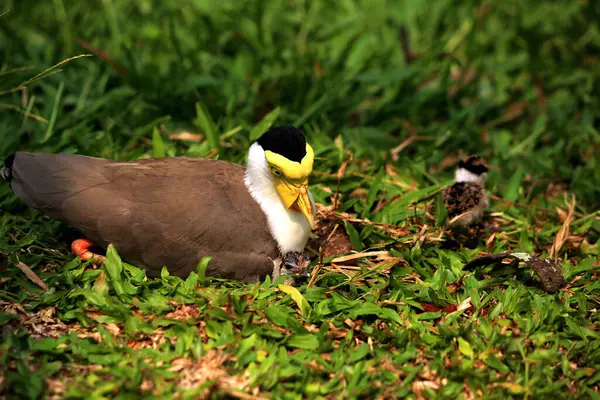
column 156, row 212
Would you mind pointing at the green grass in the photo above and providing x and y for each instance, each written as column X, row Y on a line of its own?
column 517, row 82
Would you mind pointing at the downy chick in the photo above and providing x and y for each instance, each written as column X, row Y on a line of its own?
column 466, row 200
column 295, row 263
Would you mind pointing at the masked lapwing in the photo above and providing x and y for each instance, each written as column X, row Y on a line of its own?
column 466, row 200
column 174, row 211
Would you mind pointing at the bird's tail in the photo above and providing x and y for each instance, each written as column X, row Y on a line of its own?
column 6, row 171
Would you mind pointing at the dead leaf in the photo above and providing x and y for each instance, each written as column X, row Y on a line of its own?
column 210, row 367
column 32, row 275
column 113, row 329
column 549, row 271
column 419, row 386
column 187, row 136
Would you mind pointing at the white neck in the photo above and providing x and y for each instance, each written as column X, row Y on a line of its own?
column 289, row 227
column 463, row 175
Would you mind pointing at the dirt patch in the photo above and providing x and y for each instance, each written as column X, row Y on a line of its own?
column 331, row 235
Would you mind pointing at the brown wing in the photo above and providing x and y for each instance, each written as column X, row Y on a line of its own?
column 462, row 197
column 158, row 212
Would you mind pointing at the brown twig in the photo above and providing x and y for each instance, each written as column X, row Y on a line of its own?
column 105, row 57
column 405, row 44
column 32, row 275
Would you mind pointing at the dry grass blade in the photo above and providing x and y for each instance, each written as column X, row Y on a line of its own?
column 45, row 73
column 15, row 70
column 490, row 241
column 332, row 232
column 20, row 110
column 211, row 367
column 48, row 70
column 466, row 303
column 393, row 230
column 32, row 275
column 340, row 175
column 343, row 267
column 339, row 268
column 563, row 233
column 313, row 277
column 398, row 149
column 458, row 217
column 420, row 237
column 360, row 255
column 410, row 140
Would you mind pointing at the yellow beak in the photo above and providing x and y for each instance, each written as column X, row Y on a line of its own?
column 296, row 197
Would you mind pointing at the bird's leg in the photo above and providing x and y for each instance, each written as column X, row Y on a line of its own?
column 81, row 248
column 276, row 268
column 290, row 281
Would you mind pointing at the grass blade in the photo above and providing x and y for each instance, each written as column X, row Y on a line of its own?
column 52, row 121
column 204, row 122
column 264, row 124
column 158, row 146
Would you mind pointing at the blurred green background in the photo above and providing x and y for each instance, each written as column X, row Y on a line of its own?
column 515, row 81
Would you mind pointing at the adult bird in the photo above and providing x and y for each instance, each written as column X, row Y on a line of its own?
column 174, row 211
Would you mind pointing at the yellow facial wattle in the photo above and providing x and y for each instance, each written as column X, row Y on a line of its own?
column 292, row 170
column 291, row 182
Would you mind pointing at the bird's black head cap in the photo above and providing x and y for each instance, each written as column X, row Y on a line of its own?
column 286, row 141
column 474, row 164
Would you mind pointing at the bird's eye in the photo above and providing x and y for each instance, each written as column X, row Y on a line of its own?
column 276, row 172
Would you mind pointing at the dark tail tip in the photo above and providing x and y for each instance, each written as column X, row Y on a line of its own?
column 6, row 172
